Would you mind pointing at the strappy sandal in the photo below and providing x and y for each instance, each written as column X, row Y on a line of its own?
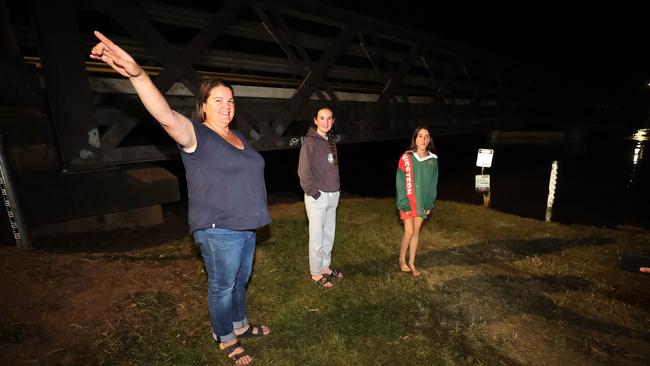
column 234, row 358
column 323, row 281
column 335, row 275
column 250, row 332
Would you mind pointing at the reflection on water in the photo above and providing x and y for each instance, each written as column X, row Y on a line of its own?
column 638, row 153
column 640, row 136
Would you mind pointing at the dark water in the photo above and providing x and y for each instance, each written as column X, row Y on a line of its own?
column 599, row 180
column 602, row 179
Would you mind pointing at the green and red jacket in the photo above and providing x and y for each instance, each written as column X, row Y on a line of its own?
column 416, row 182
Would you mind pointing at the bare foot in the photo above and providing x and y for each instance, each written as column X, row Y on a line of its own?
column 415, row 272
column 404, row 267
column 236, row 352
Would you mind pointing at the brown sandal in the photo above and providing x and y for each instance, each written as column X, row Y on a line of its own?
column 253, row 331
column 334, row 275
column 235, row 357
column 323, row 281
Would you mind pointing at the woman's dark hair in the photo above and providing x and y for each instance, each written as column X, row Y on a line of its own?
column 204, row 93
column 431, row 147
column 331, row 137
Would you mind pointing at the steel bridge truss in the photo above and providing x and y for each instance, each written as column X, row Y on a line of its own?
column 283, row 58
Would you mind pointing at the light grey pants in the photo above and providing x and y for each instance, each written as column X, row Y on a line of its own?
column 322, row 227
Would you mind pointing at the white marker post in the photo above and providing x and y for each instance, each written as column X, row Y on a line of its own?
column 551, row 191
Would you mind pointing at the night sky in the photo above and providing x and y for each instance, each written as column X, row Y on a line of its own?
column 603, row 48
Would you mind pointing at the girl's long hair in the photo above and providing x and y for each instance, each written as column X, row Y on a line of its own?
column 331, row 137
column 431, row 147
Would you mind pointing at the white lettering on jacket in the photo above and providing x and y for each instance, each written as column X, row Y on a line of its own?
column 407, row 171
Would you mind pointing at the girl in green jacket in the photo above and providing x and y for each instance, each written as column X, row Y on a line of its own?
column 416, row 182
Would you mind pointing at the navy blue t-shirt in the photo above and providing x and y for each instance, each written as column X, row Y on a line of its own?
column 225, row 185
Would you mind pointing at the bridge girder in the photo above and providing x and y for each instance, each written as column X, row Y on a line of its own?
column 283, row 58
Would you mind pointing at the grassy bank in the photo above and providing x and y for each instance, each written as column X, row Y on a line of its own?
column 496, row 289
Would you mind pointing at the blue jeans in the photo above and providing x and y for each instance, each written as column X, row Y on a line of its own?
column 228, row 257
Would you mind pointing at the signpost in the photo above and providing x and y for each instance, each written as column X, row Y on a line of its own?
column 482, row 181
column 484, row 158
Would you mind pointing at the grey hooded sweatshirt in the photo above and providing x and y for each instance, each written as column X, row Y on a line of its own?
column 318, row 166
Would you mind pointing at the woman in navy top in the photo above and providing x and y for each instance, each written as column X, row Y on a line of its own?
column 226, row 192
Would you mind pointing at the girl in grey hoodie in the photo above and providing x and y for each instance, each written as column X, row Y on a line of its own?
column 318, row 170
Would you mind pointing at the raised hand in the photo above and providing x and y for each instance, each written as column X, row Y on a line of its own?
column 177, row 126
column 115, row 57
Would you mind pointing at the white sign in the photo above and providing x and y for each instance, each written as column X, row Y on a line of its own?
column 484, row 158
column 482, row 182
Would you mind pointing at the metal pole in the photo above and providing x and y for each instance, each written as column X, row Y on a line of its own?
column 10, row 200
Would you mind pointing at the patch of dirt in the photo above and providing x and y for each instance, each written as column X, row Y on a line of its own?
column 526, row 343
column 68, row 291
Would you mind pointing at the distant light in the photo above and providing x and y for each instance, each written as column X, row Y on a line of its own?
column 641, row 134
column 636, row 158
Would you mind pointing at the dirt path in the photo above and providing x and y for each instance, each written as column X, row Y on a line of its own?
column 59, row 297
